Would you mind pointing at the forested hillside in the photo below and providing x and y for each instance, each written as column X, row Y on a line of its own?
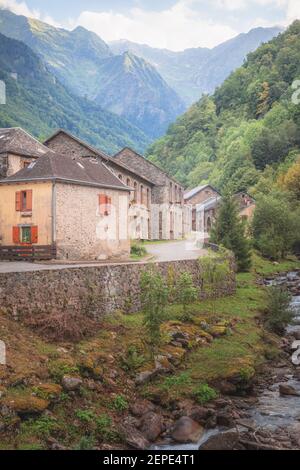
column 39, row 103
column 248, row 130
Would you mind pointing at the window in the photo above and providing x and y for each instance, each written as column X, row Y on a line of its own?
column 136, row 192
column 24, row 201
column 26, row 164
column 104, row 204
column 120, row 177
column 25, row 235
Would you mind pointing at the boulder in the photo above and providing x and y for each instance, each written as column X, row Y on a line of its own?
column 201, row 414
column 152, row 426
column 223, row 441
column 225, row 418
column 26, row 405
column 134, row 438
column 49, row 391
column 141, row 407
column 285, row 389
column 71, row 384
column 145, row 376
column 218, row 330
column 187, row 430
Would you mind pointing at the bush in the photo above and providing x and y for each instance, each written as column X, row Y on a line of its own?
column 154, row 298
column 119, row 403
column 186, row 294
column 204, row 393
column 86, row 416
column 278, row 312
column 62, row 326
column 133, row 359
column 138, row 250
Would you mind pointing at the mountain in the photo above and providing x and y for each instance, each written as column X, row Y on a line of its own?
column 132, row 88
column 84, row 63
column 249, row 126
column 39, row 103
column 73, row 56
column 193, row 72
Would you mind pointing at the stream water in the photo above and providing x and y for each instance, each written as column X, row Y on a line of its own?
column 271, row 410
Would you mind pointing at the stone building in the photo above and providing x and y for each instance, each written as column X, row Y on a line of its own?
column 74, row 205
column 170, row 218
column 156, row 208
column 17, row 150
column 196, row 197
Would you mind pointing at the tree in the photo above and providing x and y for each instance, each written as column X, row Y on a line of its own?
column 291, row 180
column 229, row 231
column 154, row 298
column 215, row 271
column 278, row 312
column 186, row 294
column 275, row 225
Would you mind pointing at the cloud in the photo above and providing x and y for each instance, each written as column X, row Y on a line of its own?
column 21, row 8
column 176, row 28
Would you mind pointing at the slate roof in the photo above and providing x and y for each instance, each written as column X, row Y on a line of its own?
column 210, row 203
column 99, row 153
column 76, row 170
column 194, row 191
column 17, row 141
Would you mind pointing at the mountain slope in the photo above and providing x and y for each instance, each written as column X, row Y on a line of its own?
column 38, row 102
column 132, row 88
column 73, row 56
column 249, row 123
column 195, row 71
column 84, row 63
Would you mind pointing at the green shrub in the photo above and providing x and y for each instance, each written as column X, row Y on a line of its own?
column 41, row 427
column 186, row 294
column 278, row 311
column 138, row 250
column 133, row 359
column 86, row 416
column 86, row 443
column 176, row 381
column 58, row 369
column 119, row 403
column 204, row 393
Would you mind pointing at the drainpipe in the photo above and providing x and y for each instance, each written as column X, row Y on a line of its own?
column 53, row 211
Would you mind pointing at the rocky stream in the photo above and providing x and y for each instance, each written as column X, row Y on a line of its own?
column 266, row 417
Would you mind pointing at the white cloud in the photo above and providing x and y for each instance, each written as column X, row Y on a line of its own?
column 21, row 8
column 176, row 28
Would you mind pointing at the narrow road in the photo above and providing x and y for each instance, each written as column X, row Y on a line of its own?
column 168, row 251
column 175, row 251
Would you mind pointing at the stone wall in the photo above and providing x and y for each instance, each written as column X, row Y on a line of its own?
column 98, row 290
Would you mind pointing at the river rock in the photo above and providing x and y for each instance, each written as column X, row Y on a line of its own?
column 134, row 438
column 152, row 426
column 187, row 430
column 201, row 414
column 141, row 407
column 285, row 389
column 223, row 441
column 71, row 384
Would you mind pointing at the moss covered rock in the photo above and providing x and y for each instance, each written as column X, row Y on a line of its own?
column 25, row 404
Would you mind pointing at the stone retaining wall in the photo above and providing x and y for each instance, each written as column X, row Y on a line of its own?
column 97, row 290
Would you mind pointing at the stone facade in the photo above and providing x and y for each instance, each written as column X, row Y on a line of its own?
column 97, row 290
column 82, row 232
column 139, row 209
column 168, row 216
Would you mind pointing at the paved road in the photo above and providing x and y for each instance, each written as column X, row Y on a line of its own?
column 174, row 251
column 169, row 251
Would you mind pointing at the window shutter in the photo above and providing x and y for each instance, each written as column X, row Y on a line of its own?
column 102, row 204
column 34, row 234
column 18, row 201
column 29, row 200
column 16, row 235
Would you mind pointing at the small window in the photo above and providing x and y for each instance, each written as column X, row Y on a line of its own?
column 104, row 204
column 25, row 234
column 26, row 164
column 24, row 201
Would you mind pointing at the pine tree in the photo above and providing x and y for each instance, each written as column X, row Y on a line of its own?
column 229, row 231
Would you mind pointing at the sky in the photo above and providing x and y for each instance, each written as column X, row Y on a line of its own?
column 171, row 24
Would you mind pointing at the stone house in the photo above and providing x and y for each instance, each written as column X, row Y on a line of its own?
column 75, row 206
column 171, row 219
column 246, row 204
column 156, row 209
column 195, row 197
column 17, row 150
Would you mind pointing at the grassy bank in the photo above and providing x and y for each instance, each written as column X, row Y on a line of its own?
column 224, row 340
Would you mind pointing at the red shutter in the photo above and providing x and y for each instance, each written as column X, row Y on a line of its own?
column 18, row 201
column 102, row 204
column 34, row 234
column 29, row 200
column 16, row 235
